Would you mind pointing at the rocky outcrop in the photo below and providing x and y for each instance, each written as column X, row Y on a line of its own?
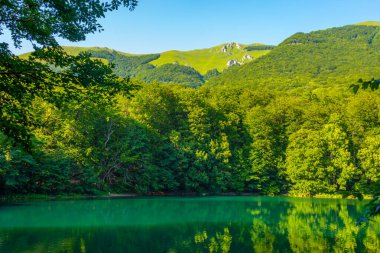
column 247, row 57
column 229, row 46
column 232, row 63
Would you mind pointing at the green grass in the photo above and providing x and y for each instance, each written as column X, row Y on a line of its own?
column 204, row 60
column 369, row 23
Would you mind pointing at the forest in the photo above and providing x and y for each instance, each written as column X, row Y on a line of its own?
column 171, row 138
column 330, row 58
column 286, row 123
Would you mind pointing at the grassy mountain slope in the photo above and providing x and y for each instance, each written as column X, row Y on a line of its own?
column 204, row 60
column 369, row 23
column 336, row 56
column 190, row 68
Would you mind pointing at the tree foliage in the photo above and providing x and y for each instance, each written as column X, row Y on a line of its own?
column 77, row 77
column 173, row 138
column 41, row 21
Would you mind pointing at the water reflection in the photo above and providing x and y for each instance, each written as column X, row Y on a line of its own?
column 212, row 224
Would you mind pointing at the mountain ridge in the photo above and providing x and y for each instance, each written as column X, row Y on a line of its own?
column 331, row 57
column 206, row 59
column 191, row 68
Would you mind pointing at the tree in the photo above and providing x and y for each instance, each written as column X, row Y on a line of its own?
column 319, row 161
column 373, row 84
column 369, row 156
column 49, row 72
column 339, row 158
column 305, row 163
column 374, row 205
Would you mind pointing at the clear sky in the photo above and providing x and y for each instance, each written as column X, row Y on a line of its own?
column 161, row 25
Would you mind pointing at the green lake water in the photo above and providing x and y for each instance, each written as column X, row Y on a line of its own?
column 199, row 224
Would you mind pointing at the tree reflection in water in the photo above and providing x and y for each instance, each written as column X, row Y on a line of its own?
column 223, row 224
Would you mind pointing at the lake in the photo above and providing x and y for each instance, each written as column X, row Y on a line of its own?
column 187, row 224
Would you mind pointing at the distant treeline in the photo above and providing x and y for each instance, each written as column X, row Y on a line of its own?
column 259, row 47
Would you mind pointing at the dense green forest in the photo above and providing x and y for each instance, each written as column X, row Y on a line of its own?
column 285, row 123
column 139, row 67
column 327, row 58
column 172, row 138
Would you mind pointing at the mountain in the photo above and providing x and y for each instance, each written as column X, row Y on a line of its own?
column 191, row 68
column 216, row 57
column 332, row 57
column 335, row 57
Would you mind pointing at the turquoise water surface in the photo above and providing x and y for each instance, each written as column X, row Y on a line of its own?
column 197, row 224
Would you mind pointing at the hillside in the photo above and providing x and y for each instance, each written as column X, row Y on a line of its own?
column 332, row 57
column 190, row 68
column 216, row 57
column 369, row 23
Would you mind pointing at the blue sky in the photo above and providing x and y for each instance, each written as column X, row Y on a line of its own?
column 161, row 25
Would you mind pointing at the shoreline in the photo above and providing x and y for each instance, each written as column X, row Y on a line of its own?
column 20, row 197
